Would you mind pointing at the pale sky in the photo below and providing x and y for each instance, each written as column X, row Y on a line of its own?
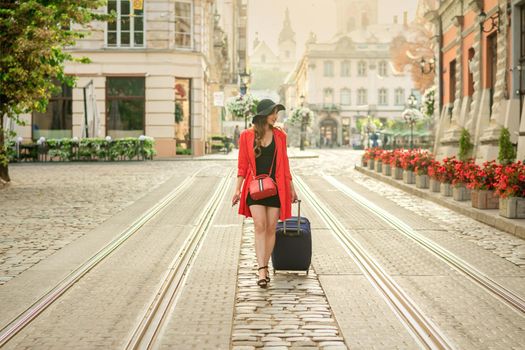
column 266, row 17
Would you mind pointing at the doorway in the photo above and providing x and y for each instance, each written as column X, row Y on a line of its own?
column 328, row 130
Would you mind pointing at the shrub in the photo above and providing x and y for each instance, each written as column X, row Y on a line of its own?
column 465, row 145
column 507, row 153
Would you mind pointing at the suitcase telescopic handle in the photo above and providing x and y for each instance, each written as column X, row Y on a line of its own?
column 298, row 219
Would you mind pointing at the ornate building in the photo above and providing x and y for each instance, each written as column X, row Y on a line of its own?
column 351, row 76
column 153, row 72
column 480, row 52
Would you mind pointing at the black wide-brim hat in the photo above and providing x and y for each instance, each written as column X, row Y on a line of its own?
column 266, row 107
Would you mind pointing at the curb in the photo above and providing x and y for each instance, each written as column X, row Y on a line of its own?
column 489, row 217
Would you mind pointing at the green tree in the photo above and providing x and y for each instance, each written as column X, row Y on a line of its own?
column 33, row 34
column 507, row 153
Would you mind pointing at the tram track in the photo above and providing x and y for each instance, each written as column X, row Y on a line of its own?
column 504, row 294
column 420, row 326
column 33, row 311
column 147, row 333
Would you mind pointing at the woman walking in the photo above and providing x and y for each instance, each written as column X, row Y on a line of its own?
column 262, row 150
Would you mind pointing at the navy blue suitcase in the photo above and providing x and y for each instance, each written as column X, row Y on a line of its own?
column 293, row 244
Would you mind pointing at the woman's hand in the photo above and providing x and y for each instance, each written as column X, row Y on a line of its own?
column 294, row 196
column 236, row 197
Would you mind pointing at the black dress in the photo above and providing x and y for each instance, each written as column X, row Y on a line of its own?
column 263, row 164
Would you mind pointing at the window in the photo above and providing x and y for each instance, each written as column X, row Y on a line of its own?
column 328, row 96
column 183, row 25
column 452, row 82
column 362, row 97
column 399, row 96
column 328, row 69
column 345, row 69
column 125, row 106
column 128, row 28
column 345, row 97
column 382, row 98
column 361, row 69
column 382, row 69
column 492, row 68
column 56, row 122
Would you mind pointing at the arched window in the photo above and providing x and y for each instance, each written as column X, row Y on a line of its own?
column 328, row 96
column 382, row 98
column 345, row 69
column 382, row 69
column 399, row 96
column 328, row 69
column 362, row 96
column 361, row 69
column 345, row 97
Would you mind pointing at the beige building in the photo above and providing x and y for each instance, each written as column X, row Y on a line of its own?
column 350, row 77
column 153, row 72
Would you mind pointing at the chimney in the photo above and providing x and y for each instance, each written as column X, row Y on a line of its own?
column 395, row 19
column 405, row 18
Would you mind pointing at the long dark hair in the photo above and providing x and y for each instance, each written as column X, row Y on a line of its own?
column 258, row 128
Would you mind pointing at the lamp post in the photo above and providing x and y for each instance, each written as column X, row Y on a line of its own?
column 410, row 116
column 303, row 123
column 368, row 129
column 244, row 81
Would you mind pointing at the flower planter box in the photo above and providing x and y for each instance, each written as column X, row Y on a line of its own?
column 363, row 162
column 409, row 177
column 434, row 185
column 371, row 164
column 483, row 199
column 446, row 189
column 422, row 181
column 512, row 207
column 461, row 193
column 379, row 166
column 387, row 170
column 398, row 173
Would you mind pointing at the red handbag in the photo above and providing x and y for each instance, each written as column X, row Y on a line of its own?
column 263, row 186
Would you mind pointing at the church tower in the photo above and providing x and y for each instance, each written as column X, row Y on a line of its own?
column 355, row 14
column 287, row 45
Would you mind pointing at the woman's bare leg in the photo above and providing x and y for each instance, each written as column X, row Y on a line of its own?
column 272, row 216
column 260, row 224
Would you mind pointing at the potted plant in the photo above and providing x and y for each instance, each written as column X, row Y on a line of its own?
column 481, row 183
column 447, row 173
column 408, row 165
column 422, row 161
column 460, row 192
column 378, row 160
column 510, row 187
column 386, row 158
column 395, row 163
column 435, row 175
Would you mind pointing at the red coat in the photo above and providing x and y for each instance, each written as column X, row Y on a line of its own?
column 283, row 177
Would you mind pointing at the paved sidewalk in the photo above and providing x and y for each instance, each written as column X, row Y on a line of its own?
column 292, row 312
column 490, row 217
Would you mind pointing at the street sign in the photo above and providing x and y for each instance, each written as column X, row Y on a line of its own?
column 218, row 99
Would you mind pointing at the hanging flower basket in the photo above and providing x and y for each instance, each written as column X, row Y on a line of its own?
column 242, row 106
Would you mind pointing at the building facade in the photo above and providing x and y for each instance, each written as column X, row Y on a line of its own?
column 351, row 77
column 480, row 51
column 153, row 72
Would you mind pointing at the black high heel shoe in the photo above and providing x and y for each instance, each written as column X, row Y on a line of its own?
column 267, row 274
column 263, row 282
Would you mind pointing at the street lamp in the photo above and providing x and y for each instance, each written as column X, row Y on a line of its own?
column 244, row 81
column 423, row 64
column 494, row 21
column 305, row 120
column 410, row 115
column 368, row 129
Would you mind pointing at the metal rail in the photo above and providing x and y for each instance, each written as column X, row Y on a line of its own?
column 146, row 333
column 423, row 330
column 26, row 317
column 511, row 298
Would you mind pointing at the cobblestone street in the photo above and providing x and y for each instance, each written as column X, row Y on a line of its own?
column 164, row 239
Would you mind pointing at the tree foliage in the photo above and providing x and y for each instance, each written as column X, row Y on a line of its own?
column 507, row 153
column 33, row 35
column 465, row 145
